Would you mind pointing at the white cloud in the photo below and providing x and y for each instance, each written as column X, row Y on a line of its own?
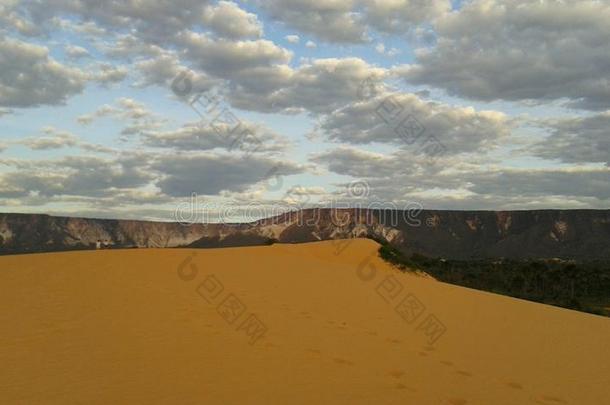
column 29, row 77
column 393, row 52
column 76, row 52
column 242, row 136
column 348, row 21
column 222, row 57
column 182, row 175
column 53, row 139
column 135, row 116
column 163, row 69
column 73, row 176
column 546, row 51
column 527, row 50
column 333, row 21
column 109, row 74
column 455, row 183
column 405, row 119
column 318, row 87
column 10, row 18
column 228, row 20
column 399, row 16
column 150, row 19
column 577, row 139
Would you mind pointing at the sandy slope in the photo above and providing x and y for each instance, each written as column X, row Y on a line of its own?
column 131, row 327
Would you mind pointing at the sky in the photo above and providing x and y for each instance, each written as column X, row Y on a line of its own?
column 231, row 111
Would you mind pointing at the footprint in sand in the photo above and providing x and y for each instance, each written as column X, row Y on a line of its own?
column 549, row 400
column 514, row 385
column 343, row 361
column 314, row 351
column 429, row 348
column 423, row 354
column 464, row 373
column 396, row 341
column 396, row 373
column 457, row 401
column 447, row 363
column 401, row 386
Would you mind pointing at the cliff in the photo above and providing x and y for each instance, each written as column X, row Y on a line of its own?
column 568, row 234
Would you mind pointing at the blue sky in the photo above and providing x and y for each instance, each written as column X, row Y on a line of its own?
column 516, row 97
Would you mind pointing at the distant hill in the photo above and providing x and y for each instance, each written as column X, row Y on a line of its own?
column 567, row 234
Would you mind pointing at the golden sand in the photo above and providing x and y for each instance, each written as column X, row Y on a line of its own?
column 321, row 323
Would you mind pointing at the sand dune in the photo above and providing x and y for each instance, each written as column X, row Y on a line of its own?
column 325, row 323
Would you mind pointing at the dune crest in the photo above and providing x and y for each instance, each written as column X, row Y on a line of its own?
column 322, row 322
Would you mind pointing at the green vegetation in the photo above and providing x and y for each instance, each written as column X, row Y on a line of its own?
column 582, row 286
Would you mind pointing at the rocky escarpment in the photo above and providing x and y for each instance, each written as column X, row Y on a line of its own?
column 23, row 233
column 568, row 234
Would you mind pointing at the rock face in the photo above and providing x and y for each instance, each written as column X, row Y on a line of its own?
column 568, row 234
column 22, row 233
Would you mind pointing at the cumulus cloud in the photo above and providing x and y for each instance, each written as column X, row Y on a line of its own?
column 381, row 49
column 406, row 119
column 210, row 174
column 230, row 21
column 135, row 115
column 53, row 139
column 543, row 182
column 531, row 50
column 76, row 52
column 11, row 18
column 163, row 69
column 528, row 50
column 402, row 176
column 360, row 163
column 76, row 176
column 129, row 47
column 242, row 136
column 320, row 86
column 333, row 21
column 398, row 16
column 223, row 58
column 29, row 77
column 87, row 28
column 577, row 139
column 151, row 19
column 348, row 21
column 108, row 74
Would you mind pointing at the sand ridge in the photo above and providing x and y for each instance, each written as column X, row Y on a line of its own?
column 326, row 322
